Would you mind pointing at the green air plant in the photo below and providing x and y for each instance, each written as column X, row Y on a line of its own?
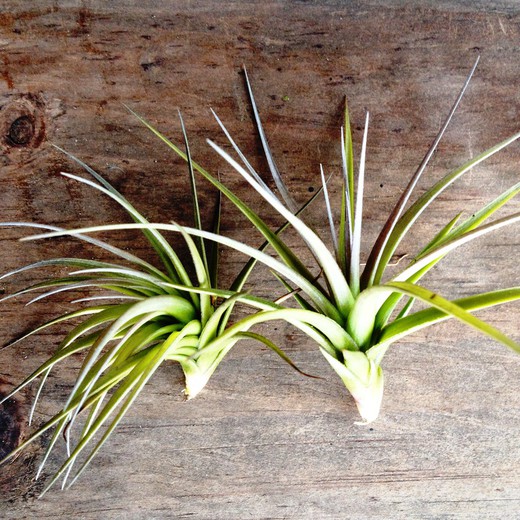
column 145, row 316
column 353, row 315
column 359, row 311
column 361, row 302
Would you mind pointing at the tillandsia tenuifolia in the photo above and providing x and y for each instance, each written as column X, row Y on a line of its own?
column 362, row 314
column 362, row 304
column 143, row 317
column 352, row 315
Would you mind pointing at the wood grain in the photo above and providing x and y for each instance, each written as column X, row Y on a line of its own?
column 261, row 442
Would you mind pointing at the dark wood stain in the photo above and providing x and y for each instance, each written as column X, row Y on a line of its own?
column 6, row 75
column 10, row 420
column 21, row 131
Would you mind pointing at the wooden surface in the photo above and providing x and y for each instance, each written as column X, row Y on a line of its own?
column 261, row 441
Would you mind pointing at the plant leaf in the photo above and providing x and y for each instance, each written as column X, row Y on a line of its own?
column 446, row 247
column 455, row 310
column 426, row 317
column 268, row 343
column 358, row 216
column 162, row 247
column 284, row 192
column 413, row 213
column 375, row 264
column 319, row 298
column 194, row 195
column 340, row 289
column 329, row 212
column 279, row 246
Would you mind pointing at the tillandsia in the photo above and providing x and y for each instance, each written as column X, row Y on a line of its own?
column 364, row 305
column 361, row 302
column 361, row 314
column 144, row 317
column 353, row 315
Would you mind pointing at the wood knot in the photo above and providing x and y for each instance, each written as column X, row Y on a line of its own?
column 22, row 122
column 11, row 424
column 16, row 478
column 21, row 131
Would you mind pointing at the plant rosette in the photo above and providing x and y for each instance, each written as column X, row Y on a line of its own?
column 361, row 314
column 143, row 317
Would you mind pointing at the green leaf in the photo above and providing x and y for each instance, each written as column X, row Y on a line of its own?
column 388, row 307
column 308, row 287
column 294, row 293
column 62, row 284
column 449, row 232
column 59, row 319
column 68, row 262
column 99, row 243
column 279, row 246
column 213, row 326
column 174, row 306
column 212, row 247
column 329, row 212
column 329, row 334
column 206, row 308
column 122, row 273
column 476, row 219
column 242, row 277
column 387, row 239
column 358, row 217
column 132, row 386
column 172, row 262
column 343, row 240
column 446, row 247
column 413, row 213
column 60, row 355
column 194, row 195
column 441, row 235
column 348, row 167
column 426, row 317
column 340, row 289
column 453, row 310
column 346, row 228
column 161, row 246
column 268, row 343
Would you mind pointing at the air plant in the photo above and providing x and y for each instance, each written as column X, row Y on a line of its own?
column 361, row 302
column 361, row 313
column 144, row 317
column 352, row 314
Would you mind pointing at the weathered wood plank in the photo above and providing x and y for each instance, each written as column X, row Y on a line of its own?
column 261, row 442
